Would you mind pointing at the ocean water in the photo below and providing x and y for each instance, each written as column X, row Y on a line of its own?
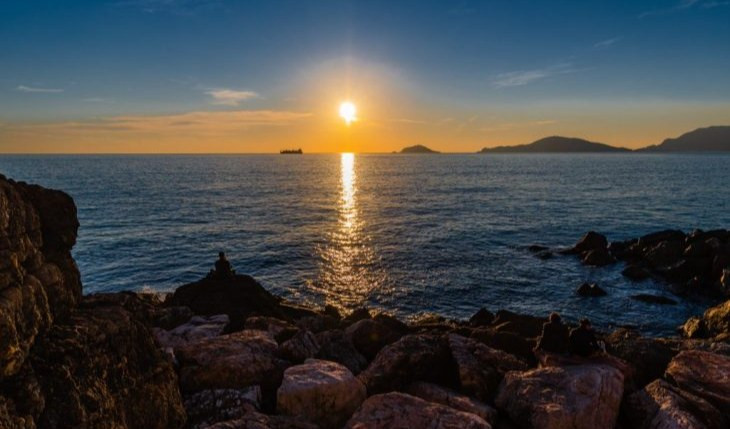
column 445, row 234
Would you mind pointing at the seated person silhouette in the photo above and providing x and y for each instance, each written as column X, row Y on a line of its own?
column 583, row 340
column 222, row 268
column 554, row 337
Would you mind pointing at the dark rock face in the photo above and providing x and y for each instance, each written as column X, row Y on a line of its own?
column 412, row 358
column 369, row 336
column 649, row 357
column 703, row 374
column 337, row 347
column 590, row 289
column 86, row 366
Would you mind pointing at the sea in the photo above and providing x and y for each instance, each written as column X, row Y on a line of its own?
column 406, row 234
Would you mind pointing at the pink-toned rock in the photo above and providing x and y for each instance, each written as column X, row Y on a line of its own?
column 660, row 405
column 704, row 374
column 397, row 410
column 480, row 367
column 322, row 392
column 278, row 328
column 441, row 395
column 230, row 361
column 574, row 397
column 303, row 345
column 256, row 420
column 196, row 329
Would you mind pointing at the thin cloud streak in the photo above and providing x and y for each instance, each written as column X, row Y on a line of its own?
column 606, row 43
column 524, row 77
column 230, row 97
column 23, row 88
column 685, row 5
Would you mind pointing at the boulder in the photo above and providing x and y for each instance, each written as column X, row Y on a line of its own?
column 510, row 342
column 399, row 410
column 370, row 336
column 416, row 357
column 648, row 357
column 716, row 319
column 196, row 329
column 481, row 368
column 483, row 317
column 597, row 258
column 450, row 398
column 704, row 374
column 335, row 346
column 590, row 241
column 635, row 272
column 356, row 315
column 252, row 419
column 231, row 361
column 694, row 327
column 661, row 405
column 590, row 290
column 281, row 330
column 207, row 407
column 303, row 345
column 654, row 238
column 322, row 392
column 525, row 325
column 665, row 253
column 576, row 397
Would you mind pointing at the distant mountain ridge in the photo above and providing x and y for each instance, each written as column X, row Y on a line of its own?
column 710, row 139
column 417, row 149
column 556, row 144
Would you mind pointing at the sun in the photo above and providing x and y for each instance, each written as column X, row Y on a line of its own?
column 348, row 112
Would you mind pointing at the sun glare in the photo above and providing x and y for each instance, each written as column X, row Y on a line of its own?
column 348, row 112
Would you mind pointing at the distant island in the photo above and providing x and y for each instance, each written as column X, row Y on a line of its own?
column 556, row 144
column 417, row 149
column 710, row 139
column 291, row 152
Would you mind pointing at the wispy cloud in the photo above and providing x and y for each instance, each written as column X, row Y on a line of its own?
column 685, row 5
column 189, row 122
column 513, row 125
column 23, row 88
column 524, row 77
column 178, row 7
column 606, row 43
column 96, row 100
column 230, row 97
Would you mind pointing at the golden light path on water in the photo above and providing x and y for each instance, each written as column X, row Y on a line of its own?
column 349, row 269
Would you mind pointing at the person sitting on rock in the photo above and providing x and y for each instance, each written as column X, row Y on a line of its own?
column 222, row 267
column 583, row 340
column 554, row 337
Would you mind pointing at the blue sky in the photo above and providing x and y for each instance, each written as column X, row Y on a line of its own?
column 421, row 61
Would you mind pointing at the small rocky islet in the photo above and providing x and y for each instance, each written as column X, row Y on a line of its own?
column 223, row 352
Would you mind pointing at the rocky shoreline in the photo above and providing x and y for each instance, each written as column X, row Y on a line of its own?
column 226, row 353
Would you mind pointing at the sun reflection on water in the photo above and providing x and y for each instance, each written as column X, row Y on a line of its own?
column 348, row 270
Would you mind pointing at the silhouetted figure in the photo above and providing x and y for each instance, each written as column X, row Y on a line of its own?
column 222, row 267
column 583, row 340
column 554, row 337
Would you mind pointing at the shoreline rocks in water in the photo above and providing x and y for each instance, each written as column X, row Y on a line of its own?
column 225, row 353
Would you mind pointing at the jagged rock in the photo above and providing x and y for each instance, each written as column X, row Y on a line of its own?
column 252, row 419
column 590, row 241
column 87, row 365
column 417, row 357
column 322, row 392
column 450, row 398
column 39, row 281
column 370, row 336
column 196, row 329
column 654, row 299
column 577, row 397
column 335, row 346
column 694, row 327
column 356, row 316
column 665, row 253
column 716, row 320
column 659, row 236
column 509, row 342
column 525, row 325
column 303, row 345
column 399, row 410
column 483, row 317
column 649, row 357
column 597, row 258
column 703, row 374
column 231, row 361
column 661, row 405
column 481, row 368
column 279, row 329
column 169, row 318
column 590, row 289
column 207, row 407
column 635, row 272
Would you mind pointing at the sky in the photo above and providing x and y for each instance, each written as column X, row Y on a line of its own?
column 214, row 76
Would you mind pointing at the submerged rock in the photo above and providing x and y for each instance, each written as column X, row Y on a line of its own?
column 399, row 410
column 578, row 397
column 322, row 392
column 590, row 289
